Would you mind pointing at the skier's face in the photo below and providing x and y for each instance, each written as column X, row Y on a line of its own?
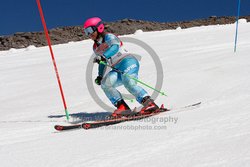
column 91, row 32
column 94, row 35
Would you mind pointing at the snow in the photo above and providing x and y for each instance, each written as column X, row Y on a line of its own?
column 31, row 47
column 178, row 28
column 242, row 21
column 199, row 65
column 138, row 32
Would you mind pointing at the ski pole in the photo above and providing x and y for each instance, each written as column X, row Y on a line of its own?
column 135, row 79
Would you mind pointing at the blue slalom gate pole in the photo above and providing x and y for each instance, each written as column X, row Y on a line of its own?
column 237, row 24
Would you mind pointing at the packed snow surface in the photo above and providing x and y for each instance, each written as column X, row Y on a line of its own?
column 198, row 65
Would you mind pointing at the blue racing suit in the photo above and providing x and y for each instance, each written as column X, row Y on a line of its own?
column 111, row 50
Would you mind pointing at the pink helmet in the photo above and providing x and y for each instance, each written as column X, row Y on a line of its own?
column 94, row 22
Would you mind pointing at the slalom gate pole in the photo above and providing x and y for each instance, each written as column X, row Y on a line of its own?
column 135, row 79
column 237, row 24
column 52, row 56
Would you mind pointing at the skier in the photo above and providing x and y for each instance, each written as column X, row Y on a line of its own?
column 108, row 48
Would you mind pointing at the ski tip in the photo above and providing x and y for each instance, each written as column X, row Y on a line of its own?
column 58, row 127
column 162, row 106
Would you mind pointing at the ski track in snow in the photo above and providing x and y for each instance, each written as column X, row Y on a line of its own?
column 199, row 65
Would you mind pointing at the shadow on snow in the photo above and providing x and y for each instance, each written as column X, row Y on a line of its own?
column 84, row 117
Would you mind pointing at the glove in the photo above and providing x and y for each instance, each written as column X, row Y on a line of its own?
column 98, row 80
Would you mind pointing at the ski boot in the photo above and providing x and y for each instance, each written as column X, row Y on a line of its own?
column 122, row 110
column 149, row 106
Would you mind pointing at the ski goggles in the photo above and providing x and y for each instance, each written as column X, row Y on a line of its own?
column 90, row 30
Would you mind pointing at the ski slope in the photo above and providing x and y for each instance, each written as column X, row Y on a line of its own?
column 199, row 65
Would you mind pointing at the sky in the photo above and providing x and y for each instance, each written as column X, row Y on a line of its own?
column 23, row 16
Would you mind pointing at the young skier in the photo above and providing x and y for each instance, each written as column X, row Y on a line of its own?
column 108, row 48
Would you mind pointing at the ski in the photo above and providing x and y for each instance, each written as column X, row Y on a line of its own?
column 97, row 124
column 67, row 127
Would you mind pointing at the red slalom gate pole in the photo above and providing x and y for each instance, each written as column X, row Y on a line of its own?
column 52, row 56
